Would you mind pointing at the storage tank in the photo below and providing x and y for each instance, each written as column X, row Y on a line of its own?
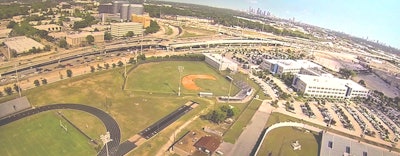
column 124, row 11
column 117, row 6
column 135, row 9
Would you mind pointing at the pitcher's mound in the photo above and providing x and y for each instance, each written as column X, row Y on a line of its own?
column 188, row 81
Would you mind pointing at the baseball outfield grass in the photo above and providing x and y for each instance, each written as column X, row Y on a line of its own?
column 150, row 95
column 42, row 134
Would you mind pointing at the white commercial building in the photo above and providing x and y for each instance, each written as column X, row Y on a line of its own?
column 287, row 66
column 328, row 87
column 21, row 44
column 121, row 29
column 219, row 62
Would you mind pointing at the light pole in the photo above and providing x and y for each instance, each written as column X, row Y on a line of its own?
column 16, row 74
column 106, row 138
column 229, row 91
column 180, row 69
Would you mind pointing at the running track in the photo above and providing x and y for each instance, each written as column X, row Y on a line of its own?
column 110, row 124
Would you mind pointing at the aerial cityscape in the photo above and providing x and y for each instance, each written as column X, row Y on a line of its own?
column 180, row 78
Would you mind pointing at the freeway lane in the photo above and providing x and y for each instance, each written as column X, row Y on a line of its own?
column 110, row 124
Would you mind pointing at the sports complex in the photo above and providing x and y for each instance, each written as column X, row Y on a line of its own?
column 68, row 117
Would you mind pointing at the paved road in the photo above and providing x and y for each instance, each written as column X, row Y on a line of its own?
column 248, row 139
column 110, row 124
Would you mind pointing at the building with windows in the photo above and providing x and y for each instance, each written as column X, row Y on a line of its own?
column 121, row 29
column 79, row 39
column 328, row 87
column 143, row 19
column 287, row 66
column 334, row 145
column 219, row 62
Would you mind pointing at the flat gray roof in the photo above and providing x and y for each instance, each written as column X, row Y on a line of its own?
column 13, row 106
column 22, row 44
column 339, row 144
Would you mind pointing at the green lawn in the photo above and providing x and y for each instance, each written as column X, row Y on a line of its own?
column 237, row 128
column 148, row 98
column 189, row 34
column 278, row 141
column 41, row 134
column 168, row 30
column 163, row 77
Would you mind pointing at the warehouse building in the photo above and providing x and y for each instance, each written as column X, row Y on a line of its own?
column 21, row 44
column 328, row 87
column 121, row 29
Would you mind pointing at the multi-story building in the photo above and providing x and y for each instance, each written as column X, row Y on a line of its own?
column 219, row 62
column 79, row 39
column 328, row 87
column 121, row 29
column 144, row 19
column 287, row 66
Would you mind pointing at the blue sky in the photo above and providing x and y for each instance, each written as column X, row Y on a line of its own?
column 377, row 20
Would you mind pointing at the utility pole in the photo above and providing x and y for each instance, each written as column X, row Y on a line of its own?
column 180, row 69
column 16, row 74
column 229, row 92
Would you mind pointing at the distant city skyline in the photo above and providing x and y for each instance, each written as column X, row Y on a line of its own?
column 375, row 20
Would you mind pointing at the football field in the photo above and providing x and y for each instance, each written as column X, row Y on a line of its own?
column 42, row 134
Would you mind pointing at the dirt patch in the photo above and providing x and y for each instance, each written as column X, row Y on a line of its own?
column 188, row 81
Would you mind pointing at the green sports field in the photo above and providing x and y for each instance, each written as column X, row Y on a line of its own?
column 134, row 109
column 278, row 142
column 163, row 77
column 42, row 134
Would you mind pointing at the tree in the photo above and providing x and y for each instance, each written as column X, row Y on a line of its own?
column 347, row 73
column 63, row 43
column 89, row 39
column 362, row 83
column 154, row 27
column 107, row 36
column 47, row 48
column 96, row 30
column 130, row 34
column 120, row 64
column 36, row 82
column 114, row 65
column 106, row 65
column 92, row 69
column 215, row 116
column 16, row 88
column 12, row 24
column 8, row 90
column 44, row 81
column 69, row 73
